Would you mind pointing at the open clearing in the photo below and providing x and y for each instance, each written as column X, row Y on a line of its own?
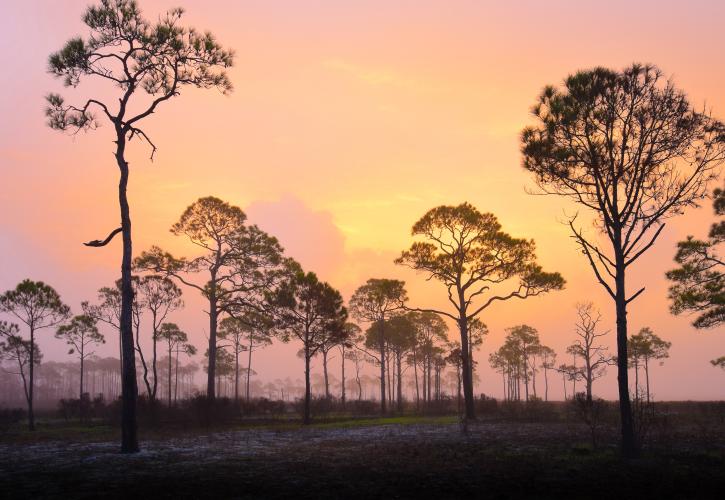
column 393, row 458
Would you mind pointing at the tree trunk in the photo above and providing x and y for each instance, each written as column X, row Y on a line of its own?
column 213, row 314
column 382, row 367
column 81, row 392
column 169, row 376
column 546, row 384
column 176, row 376
column 342, row 396
column 31, row 372
column 153, row 361
column 466, row 368
column 629, row 448
column 143, row 362
column 236, row 373
column 415, row 373
column 306, row 417
column 400, row 383
column 636, row 378
column 249, row 367
column 646, row 375
column 129, row 389
column 324, row 371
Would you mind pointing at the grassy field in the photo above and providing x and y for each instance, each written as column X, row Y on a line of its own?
column 396, row 457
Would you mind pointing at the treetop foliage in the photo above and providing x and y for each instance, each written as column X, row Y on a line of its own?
column 133, row 53
column 34, row 303
column 467, row 251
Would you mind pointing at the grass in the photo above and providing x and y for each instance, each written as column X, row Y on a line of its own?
column 48, row 430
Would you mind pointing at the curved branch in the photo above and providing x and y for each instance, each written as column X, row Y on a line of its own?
column 103, row 243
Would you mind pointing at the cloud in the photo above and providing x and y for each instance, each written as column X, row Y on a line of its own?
column 308, row 235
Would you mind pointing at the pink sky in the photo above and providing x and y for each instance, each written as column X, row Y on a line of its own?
column 349, row 120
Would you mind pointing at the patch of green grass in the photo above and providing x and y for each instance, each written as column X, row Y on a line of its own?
column 402, row 420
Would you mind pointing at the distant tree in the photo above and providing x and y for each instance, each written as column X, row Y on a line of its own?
column 160, row 296
column 547, row 357
column 80, row 333
column 526, row 341
column 136, row 57
column 108, row 310
column 631, row 149
column 430, row 331
column 594, row 355
column 37, row 306
column 454, row 358
column 467, row 251
column 643, row 347
column 189, row 350
column 17, row 351
column 374, row 302
column 248, row 332
column 241, row 262
column 699, row 283
column 224, row 369
column 309, row 310
column 477, row 331
column 352, row 333
column 400, row 337
column 176, row 340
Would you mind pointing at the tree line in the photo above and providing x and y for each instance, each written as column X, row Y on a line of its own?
column 626, row 146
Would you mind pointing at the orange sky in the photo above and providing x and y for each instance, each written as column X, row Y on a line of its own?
column 348, row 121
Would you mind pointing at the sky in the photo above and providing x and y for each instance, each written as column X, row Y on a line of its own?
column 348, row 121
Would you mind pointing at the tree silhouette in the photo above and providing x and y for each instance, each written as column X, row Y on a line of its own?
column 643, row 347
column 352, row 333
column 37, row 306
column 311, row 311
column 466, row 251
column 429, row 330
column 80, row 333
column 160, row 296
column 138, row 58
column 699, row 282
column 176, row 341
column 248, row 333
column 16, row 350
column 374, row 302
column 547, row 355
column 595, row 356
column 629, row 148
column 241, row 262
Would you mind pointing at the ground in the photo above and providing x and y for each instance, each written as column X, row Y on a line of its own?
column 373, row 458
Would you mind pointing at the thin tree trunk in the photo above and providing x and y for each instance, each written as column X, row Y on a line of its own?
column 249, row 366
column 153, row 361
column 129, row 389
column 400, row 383
column 31, row 413
column 646, row 374
column 213, row 313
column 324, row 370
column 629, row 448
column 236, row 373
column 306, row 417
column 382, row 367
column 169, row 377
column 415, row 373
column 342, row 397
column 466, row 367
column 176, row 376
